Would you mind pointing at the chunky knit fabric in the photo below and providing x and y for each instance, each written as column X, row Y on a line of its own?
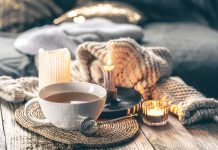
column 18, row 90
column 146, row 69
column 187, row 103
column 136, row 67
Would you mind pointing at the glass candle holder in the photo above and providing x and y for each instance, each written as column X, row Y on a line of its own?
column 109, row 81
column 155, row 112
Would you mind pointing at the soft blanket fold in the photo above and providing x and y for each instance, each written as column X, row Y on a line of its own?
column 70, row 35
column 146, row 69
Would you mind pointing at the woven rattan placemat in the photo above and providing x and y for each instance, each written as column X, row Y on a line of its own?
column 110, row 134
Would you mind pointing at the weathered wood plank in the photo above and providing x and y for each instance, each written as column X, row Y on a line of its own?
column 171, row 136
column 18, row 138
column 2, row 133
column 142, row 142
column 10, row 125
column 206, row 134
column 130, row 146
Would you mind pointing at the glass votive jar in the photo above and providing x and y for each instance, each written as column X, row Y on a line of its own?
column 155, row 112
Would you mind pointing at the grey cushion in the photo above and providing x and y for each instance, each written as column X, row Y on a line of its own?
column 194, row 49
column 13, row 63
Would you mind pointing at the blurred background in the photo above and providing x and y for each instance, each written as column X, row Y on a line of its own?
column 187, row 27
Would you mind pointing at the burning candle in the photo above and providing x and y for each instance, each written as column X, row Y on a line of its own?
column 109, row 80
column 54, row 66
column 155, row 112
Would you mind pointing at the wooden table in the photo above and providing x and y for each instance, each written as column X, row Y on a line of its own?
column 172, row 136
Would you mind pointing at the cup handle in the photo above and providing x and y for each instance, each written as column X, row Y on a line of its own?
column 38, row 121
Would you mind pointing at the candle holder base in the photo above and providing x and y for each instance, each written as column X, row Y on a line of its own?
column 127, row 102
column 155, row 124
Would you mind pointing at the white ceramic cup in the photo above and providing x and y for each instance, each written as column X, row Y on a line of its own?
column 68, row 115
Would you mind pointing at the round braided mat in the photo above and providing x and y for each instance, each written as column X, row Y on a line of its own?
column 109, row 134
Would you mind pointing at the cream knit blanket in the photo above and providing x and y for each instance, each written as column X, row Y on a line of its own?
column 147, row 69
column 18, row 90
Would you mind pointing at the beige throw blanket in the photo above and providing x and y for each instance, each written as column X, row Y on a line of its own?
column 18, row 90
column 147, row 69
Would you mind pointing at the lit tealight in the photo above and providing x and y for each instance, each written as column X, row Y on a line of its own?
column 155, row 112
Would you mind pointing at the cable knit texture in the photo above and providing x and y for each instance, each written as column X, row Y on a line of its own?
column 187, row 103
column 18, row 90
column 147, row 69
column 135, row 66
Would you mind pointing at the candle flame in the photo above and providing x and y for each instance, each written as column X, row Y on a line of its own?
column 109, row 61
column 155, row 104
column 109, row 66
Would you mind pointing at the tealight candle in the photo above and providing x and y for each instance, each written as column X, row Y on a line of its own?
column 155, row 112
column 109, row 80
column 54, row 66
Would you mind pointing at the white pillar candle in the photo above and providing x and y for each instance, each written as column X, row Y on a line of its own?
column 54, row 66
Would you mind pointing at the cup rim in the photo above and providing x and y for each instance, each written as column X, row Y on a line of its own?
column 85, row 102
